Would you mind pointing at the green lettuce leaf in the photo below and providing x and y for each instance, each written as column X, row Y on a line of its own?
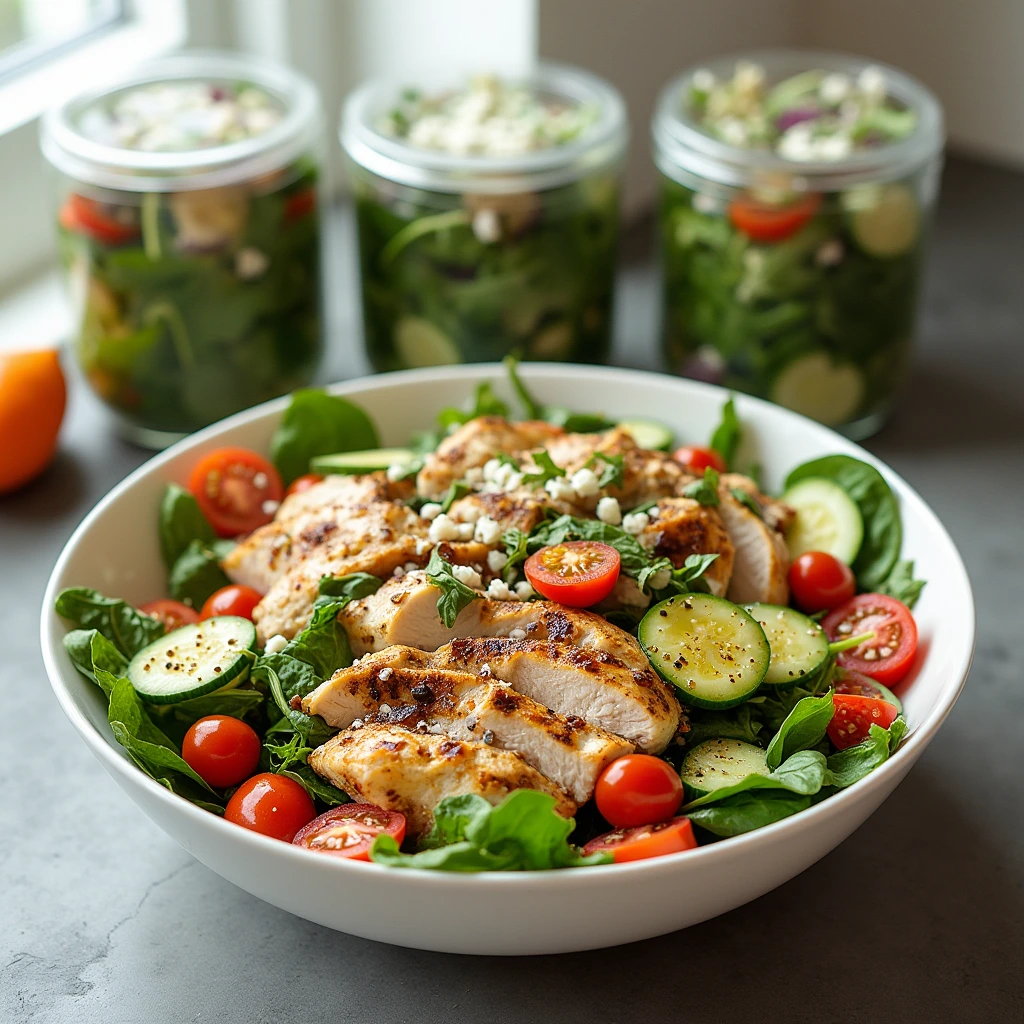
column 196, row 572
column 181, row 522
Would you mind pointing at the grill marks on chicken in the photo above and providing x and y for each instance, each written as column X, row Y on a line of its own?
column 682, row 527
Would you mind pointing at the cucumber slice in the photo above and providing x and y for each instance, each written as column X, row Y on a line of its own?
column 215, row 654
column 649, row 434
column 370, row 461
column 714, row 652
column 816, row 387
column 889, row 225
column 717, row 763
column 799, row 645
column 827, row 519
column 420, row 343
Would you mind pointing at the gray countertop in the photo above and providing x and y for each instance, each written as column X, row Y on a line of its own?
column 919, row 916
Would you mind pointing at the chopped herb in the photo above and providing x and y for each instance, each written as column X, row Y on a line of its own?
column 455, row 595
column 515, row 542
column 746, row 498
column 458, row 489
column 611, row 474
column 728, row 434
column 547, row 471
column 704, row 490
column 485, row 403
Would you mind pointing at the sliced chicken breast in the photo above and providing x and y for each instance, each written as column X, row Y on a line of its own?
column 777, row 514
column 761, row 561
column 411, row 773
column 681, row 527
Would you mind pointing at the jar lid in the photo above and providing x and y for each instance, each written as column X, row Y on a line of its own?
column 683, row 150
column 600, row 145
column 73, row 150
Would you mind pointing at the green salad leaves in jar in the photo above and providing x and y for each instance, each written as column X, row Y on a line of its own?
column 487, row 218
column 796, row 193
column 190, row 234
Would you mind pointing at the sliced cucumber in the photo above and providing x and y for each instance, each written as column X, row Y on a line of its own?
column 420, row 343
column 819, row 388
column 370, row 461
column 714, row 652
column 799, row 645
column 889, row 225
column 717, row 763
column 215, row 654
column 827, row 519
column 649, row 434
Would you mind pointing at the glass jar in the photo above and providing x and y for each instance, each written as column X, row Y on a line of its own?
column 812, row 304
column 189, row 227
column 466, row 258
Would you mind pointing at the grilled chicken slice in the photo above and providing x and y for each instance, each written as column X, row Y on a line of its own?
column 519, row 510
column 778, row 515
column 473, row 444
column 681, row 527
column 398, row 686
column 761, row 562
column 411, row 773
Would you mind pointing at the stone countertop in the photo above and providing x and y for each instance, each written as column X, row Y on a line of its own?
column 919, row 916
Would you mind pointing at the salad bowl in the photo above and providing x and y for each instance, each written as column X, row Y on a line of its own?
column 116, row 550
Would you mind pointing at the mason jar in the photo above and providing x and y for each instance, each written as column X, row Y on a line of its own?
column 792, row 270
column 189, row 228
column 469, row 256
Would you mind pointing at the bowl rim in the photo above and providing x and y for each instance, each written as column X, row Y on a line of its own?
column 52, row 631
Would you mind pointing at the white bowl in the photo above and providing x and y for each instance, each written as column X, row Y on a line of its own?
column 116, row 551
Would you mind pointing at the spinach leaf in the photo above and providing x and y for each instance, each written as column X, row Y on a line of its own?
column 547, row 470
column 458, row 489
column 659, row 565
column 852, row 764
column 89, row 649
column 901, row 584
column 727, row 435
column 312, row 730
column 125, row 627
column 455, row 595
column 289, row 759
column 316, row 423
column 557, row 415
column 516, row 544
column 350, row 587
column 804, row 773
column 633, row 555
column 747, row 499
column 689, row 576
column 704, row 490
column 485, row 403
column 196, row 573
column 748, row 811
column 181, row 522
column 803, row 728
column 883, row 532
column 736, row 724
column 613, row 469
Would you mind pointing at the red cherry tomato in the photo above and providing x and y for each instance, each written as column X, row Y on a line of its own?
column 854, row 717
column 627, row 844
column 820, row 581
column 767, row 222
column 88, row 217
column 272, row 805
column 237, row 490
column 298, row 204
column 303, row 483
column 888, row 656
column 699, row 459
column 845, row 680
column 638, row 789
column 231, row 600
column 349, row 831
column 171, row 613
column 221, row 750
column 578, row 573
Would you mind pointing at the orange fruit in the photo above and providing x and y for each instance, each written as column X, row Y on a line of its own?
column 32, row 397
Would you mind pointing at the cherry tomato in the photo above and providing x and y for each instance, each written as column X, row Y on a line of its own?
column 349, row 831
column 303, row 483
column 624, row 844
column 638, row 789
column 854, row 717
column 820, row 581
column 87, row 217
column 766, row 222
column 845, row 680
column 221, row 750
column 231, row 600
column 578, row 573
column 699, row 459
column 272, row 805
column 171, row 613
column 237, row 490
column 887, row 657
column 299, row 204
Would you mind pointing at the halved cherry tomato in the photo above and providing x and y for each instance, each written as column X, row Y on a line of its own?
column 233, row 599
column 819, row 581
column 221, row 750
column 638, row 789
column 303, row 483
column 699, row 459
column 766, row 222
column 237, row 490
column 626, row 844
column 578, row 573
column 886, row 657
column 349, row 831
column 845, row 680
column 87, row 217
column 300, row 203
column 854, row 717
column 171, row 613
column 272, row 805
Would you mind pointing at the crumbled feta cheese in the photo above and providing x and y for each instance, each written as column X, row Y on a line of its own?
column 444, row 528
column 584, row 483
column 835, row 88
column 250, row 263
column 275, row 645
column 703, row 80
column 396, row 471
column 469, row 514
column 517, row 634
column 269, row 507
column 487, row 531
column 833, row 147
column 829, row 253
column 496, row 560
column 636, row 522
column 498, row 589
column 431, row 510
column 797, row 142
column 733, row 131
column 410, row 566
column 468, row 575
column 626, row 592
column 398, row 572
column 660, row 579
column 560, row 489
column 500, row 474
column 490, row 468
column 704, row 203
column 357, row 723
column 423, row 545
column 487, row 226
column 466, row 531
column 608, row 511
column 485, row 671
column 524, row 591
column 384, row 675
column 871, row 82
column 514, row 481
column 474, row 475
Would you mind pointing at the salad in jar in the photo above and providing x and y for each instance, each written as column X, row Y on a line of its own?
column 796, row 195
column 189, row 231
column 487, row 218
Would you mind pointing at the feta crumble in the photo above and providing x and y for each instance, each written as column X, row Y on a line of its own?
column 499, row 591
column 608, row 511
column 524, row 591
column 517, row 634
column 487, row 531
column 584, row 483
column 635, row 522
column 496, row 560
column 275, row 645
column 431, row 510
column 444, row 528
column 560, row 489
column 468, row 575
